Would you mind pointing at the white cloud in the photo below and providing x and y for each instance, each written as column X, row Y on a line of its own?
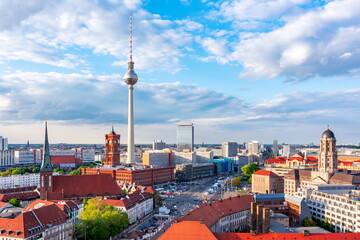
column 48, row 33
column 302, row 49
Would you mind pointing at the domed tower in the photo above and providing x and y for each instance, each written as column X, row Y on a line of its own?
column 130, row 79
column 328, row 162
column 112, row 144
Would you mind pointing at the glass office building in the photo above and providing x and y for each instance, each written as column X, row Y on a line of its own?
column 185, row 136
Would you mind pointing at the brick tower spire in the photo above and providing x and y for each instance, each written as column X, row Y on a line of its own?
column 112, row 144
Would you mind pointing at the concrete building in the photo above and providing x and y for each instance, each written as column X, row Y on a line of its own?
column 253, row 148
column 229, row 149
column 159, row 145
column 183, row 158
column 159, row 158
column 204, row 156
column 266, row 182
column 3, row 144
column 275, row 148
column 185, row 136
column 25, row 180
column 187, row 172
column 6, row 158
column 259, row 218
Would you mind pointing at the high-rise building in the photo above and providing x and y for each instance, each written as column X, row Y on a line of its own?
column 286, row 150
column 130, row 79
column 112, row 154
column 3, row 144
column 253, row 147
column 229, row 149
column 275, row 148
column 158, row 145
column 185, row 136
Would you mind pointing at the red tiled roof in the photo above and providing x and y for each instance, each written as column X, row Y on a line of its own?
column 84, row 186
column 2, row 204
column 193, row 230
column 287, row 236
column 130, row 200
column 21, row 225
column 312, row 158
column 62, row 159
column 265, row 173
column 275, row 160
column 18, row 189
column 65, row 205
column 23, row 196
column 210, row 213
column 296, row 158
column 189, row 230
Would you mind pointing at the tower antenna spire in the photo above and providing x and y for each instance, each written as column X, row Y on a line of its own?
column 130, row 31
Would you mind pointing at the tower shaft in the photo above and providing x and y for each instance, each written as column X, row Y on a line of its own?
column 130, row 145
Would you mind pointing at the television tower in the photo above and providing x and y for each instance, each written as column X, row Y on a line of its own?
column 130, row 79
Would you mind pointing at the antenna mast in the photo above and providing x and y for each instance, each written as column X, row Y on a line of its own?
column 130, row 29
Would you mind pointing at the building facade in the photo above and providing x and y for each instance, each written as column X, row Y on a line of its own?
column 185, row 137
column 266, row 182
column 13, row 181
column 158, row 145
column 112, row 146
column 229, row 149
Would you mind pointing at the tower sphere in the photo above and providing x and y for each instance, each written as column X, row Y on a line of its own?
column 130, row 77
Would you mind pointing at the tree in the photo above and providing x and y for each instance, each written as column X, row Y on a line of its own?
column 249, row 169
column 59, row 170
column 235, row 181
column 76, row 172
column 157, row 200
column 308, row 222
column 16, row 172
column 101, row 221
column 15, row 202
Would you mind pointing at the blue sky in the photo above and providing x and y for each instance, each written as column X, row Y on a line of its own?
column 240, row 70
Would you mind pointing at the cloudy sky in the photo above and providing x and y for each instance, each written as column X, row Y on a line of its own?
column 240, row 70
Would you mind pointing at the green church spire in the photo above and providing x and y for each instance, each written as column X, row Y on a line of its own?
column 46, row 163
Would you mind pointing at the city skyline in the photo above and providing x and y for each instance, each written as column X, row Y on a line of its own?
column 239, row 70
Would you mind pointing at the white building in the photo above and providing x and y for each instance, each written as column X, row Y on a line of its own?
column 158, row 145
column 25, row 180
column 183, row 157
column 6, row 158
column 334, row 203
column 3, row 144
column 229, row 149
column 136, row 205
column 204, row 157
column 253, row 148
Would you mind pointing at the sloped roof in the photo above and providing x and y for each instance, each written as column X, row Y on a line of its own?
column 265, row 173
column 189, row 230
column 20, row 195
column 275, row 160
column 130, row 201
column 287, row 236
column 84, row 186
column 62, row 159
column 65, row 205
column 210, row 213
column 32, row 222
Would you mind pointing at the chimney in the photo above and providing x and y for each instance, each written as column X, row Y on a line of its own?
column 201, row 221
column 306, row 233
column 253, row 233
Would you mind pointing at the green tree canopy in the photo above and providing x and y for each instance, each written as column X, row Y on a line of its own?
column 249, row 169
column 76, row 172
column 308, row 222
column 59, row 170
column 157, row 200
column 15, row 202
column 101, row 221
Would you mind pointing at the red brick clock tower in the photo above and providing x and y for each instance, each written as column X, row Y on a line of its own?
column 112, row 144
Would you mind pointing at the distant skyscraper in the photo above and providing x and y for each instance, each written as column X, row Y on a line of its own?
column 3, row 144
column 185, row 136
column 112, row 144
column 275, row 148
column 253, row 147
column 286, row 150
column 158, row 145
column 130, row 79
column 229, row 149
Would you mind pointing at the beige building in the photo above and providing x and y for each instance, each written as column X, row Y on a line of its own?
column 266, row 182
column 327, row 169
